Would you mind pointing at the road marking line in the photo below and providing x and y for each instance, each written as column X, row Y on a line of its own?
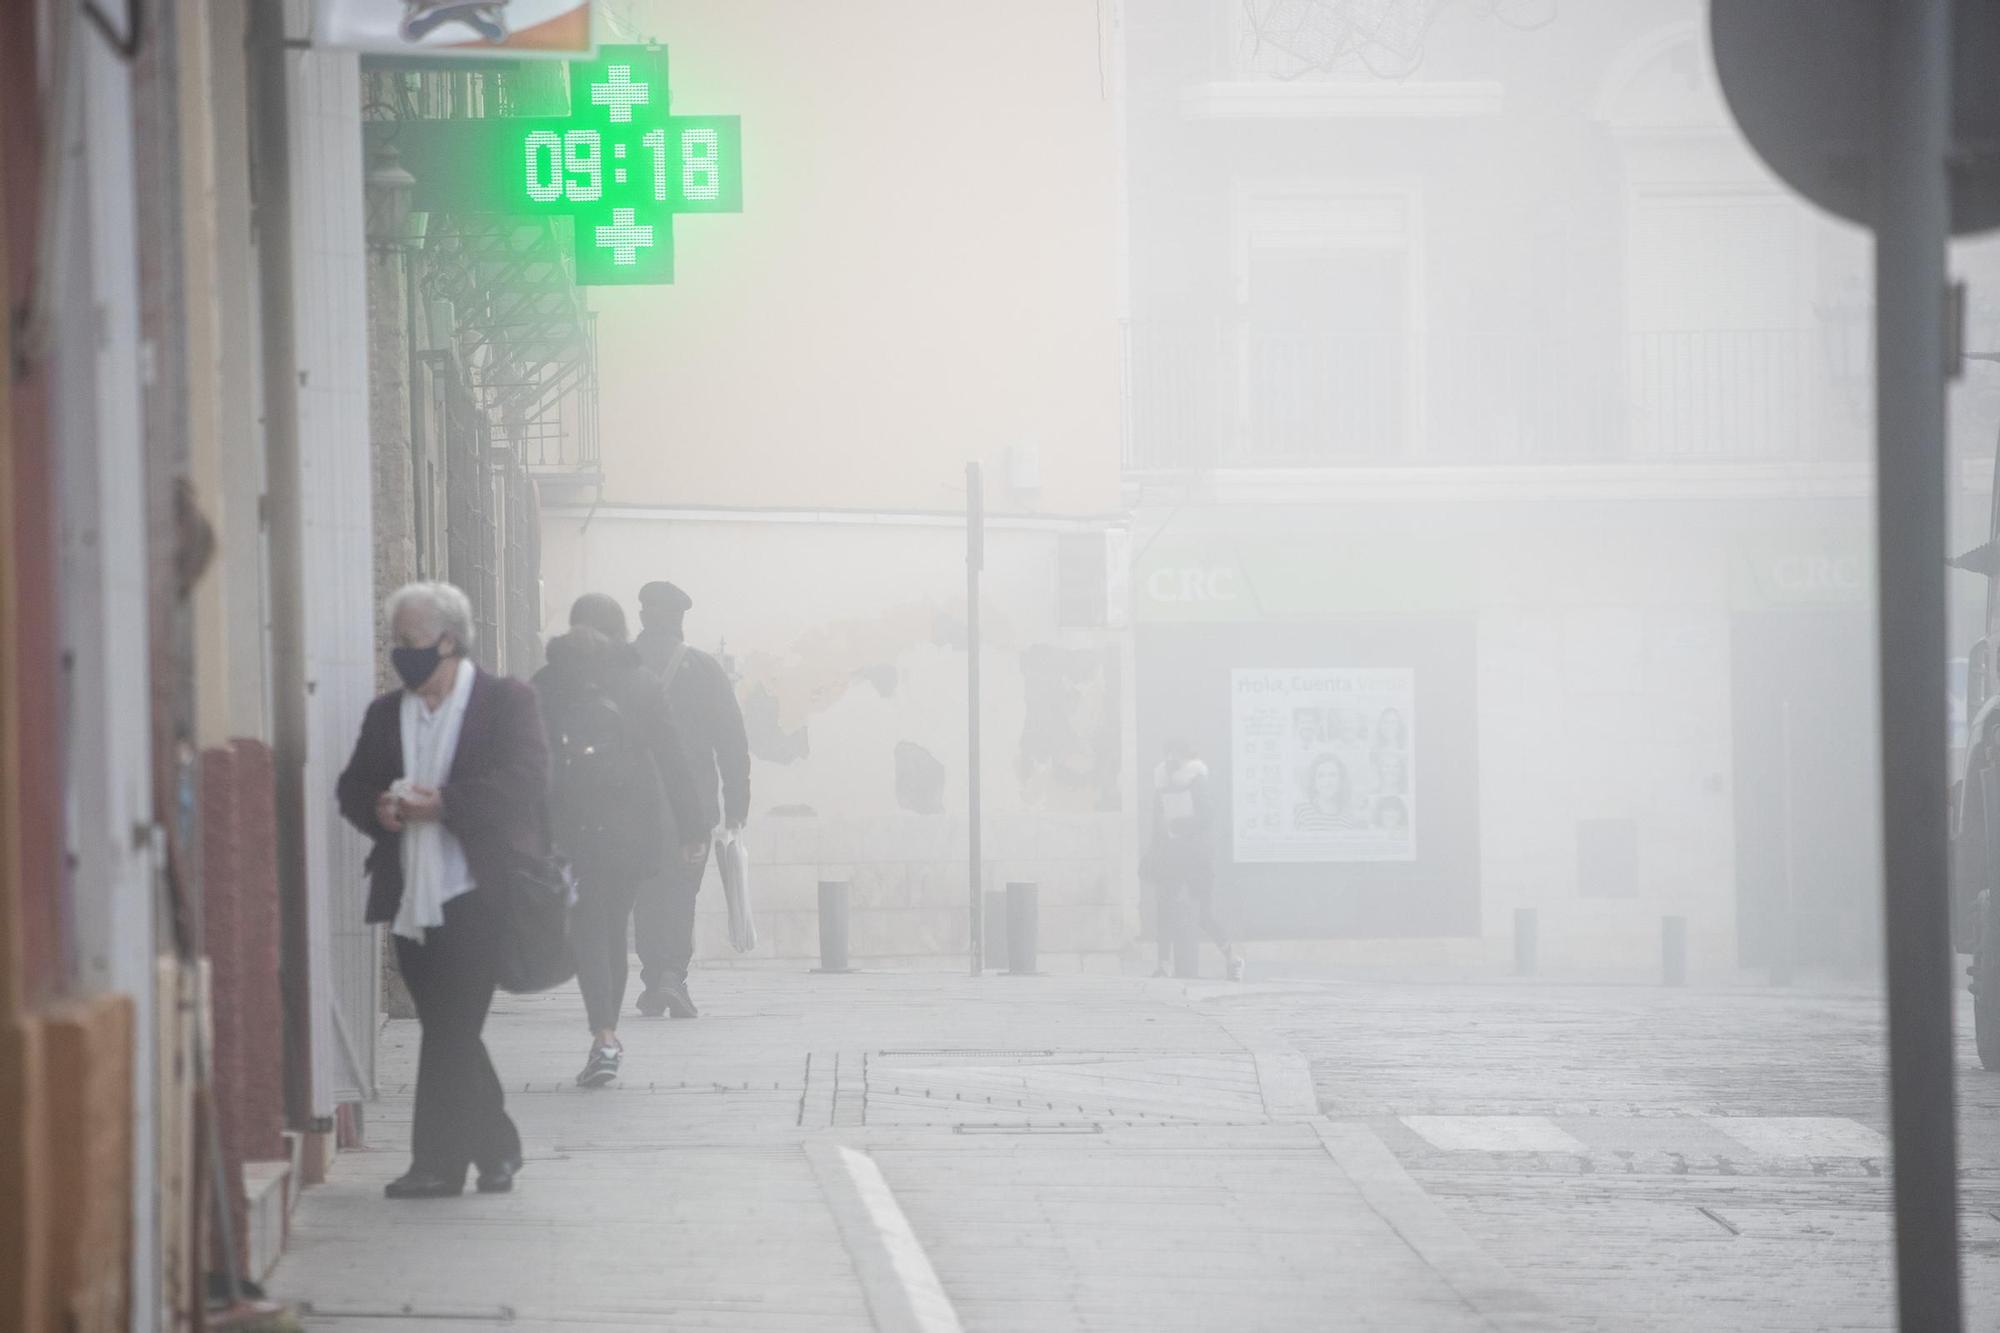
column 1481, row 1281
column 1493, row 1133
column 1801, row 1136
column 902, row 1289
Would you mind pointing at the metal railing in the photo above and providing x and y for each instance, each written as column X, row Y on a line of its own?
column 1228, row 395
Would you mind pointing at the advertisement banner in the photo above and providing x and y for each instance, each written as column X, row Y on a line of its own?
column 509, row 29
column 1324, row 764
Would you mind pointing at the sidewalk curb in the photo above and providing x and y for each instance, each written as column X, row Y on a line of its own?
column 901, row 1288
column 1478, row 1279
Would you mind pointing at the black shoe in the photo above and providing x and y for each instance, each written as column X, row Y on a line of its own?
column 415, row 1184
column 601, row 1068
column 652, row 1003
column 499, row 1178
column 679, row 1003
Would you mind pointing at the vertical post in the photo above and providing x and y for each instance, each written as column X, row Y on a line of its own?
column 1912, row 224
column 1673, row 951
column 1785, row 936
column 975, row 560
column 271, row 190
column 1524, row 941
column 1023, row 923
column 833, row 926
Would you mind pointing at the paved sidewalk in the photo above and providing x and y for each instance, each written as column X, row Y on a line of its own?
column 902, row 1152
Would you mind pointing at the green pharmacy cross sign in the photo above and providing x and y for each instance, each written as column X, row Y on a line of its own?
column 619, row 164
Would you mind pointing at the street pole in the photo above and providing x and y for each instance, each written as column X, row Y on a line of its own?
column 975, row 560
column 1912, row 223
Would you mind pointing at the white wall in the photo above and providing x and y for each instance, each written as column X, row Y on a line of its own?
column 329, row 277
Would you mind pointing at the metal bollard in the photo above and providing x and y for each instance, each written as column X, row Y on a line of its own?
column 993, row 936
column 1023, row 920
column 1525, row 941
column 833, row 926
column 1673, row 951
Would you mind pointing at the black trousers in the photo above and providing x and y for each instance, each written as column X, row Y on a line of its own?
column 1192, row 892
column 600, row 932
column 461, row 1116
column 664, row 921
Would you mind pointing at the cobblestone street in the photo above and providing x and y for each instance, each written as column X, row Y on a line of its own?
column 932, row 1152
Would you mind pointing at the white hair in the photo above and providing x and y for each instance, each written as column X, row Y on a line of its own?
column 450, row 610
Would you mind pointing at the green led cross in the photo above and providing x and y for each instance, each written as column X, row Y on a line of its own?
column 619, row 164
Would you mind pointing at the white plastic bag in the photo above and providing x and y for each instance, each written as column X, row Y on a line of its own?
column 732, row 860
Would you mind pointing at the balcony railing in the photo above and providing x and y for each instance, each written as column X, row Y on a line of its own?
column 1221, row 395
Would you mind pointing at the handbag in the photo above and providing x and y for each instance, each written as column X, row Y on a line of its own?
column 532, row 950
column 732, row 861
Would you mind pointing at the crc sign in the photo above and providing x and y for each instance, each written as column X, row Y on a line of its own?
column 1190, row 585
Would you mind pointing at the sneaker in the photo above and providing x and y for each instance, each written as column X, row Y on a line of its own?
column 679, row 1003
column 601, row 1068
column 652, row 1003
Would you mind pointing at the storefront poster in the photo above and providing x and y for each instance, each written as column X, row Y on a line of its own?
column 1324, row 764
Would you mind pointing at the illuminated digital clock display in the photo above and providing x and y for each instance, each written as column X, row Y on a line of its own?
column 621, row 164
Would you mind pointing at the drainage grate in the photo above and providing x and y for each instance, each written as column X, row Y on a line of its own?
column 966, row 1050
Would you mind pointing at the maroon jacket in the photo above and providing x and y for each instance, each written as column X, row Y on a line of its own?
column 495, row 801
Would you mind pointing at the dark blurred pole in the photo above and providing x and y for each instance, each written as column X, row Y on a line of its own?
column 975, row 560
column 1912, row 224
column 1784, row 938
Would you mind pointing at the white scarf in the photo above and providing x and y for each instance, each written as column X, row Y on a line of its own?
column 434, row 868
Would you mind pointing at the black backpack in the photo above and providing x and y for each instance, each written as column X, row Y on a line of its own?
column 595, row 758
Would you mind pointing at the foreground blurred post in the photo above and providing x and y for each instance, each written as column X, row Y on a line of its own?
column 975, row 560
column 1912, row 223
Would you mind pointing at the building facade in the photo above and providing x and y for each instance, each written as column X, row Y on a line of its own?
column 785, row 433
column 1477, row 371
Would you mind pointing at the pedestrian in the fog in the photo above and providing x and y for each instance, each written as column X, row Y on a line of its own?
column 1180, row 859
column 620, row 791
column 711, row 726
column 450, row 778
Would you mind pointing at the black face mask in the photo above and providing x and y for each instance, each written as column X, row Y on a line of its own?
column 416, row 665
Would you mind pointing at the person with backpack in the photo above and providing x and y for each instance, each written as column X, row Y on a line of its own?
column 704, row 704
column 620, row 786
column 1180, row 862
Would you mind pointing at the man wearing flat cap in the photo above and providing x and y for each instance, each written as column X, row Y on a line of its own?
column 704, row 707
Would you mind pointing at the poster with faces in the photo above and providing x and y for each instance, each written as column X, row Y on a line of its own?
column 1324, row 764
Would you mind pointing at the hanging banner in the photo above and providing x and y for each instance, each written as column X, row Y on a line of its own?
column 1324, row 764
column 509, row 29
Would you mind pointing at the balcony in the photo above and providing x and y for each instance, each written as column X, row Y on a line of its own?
column 1221, row 395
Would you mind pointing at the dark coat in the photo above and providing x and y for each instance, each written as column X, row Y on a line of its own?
column 663, row 806
column 495, row 800
column 711, row 723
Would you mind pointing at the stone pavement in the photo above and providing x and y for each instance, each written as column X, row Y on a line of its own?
column 932, row 1152
column 1029, row 1153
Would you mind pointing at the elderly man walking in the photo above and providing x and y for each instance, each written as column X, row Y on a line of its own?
column 711, row 725
column 450, row 778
